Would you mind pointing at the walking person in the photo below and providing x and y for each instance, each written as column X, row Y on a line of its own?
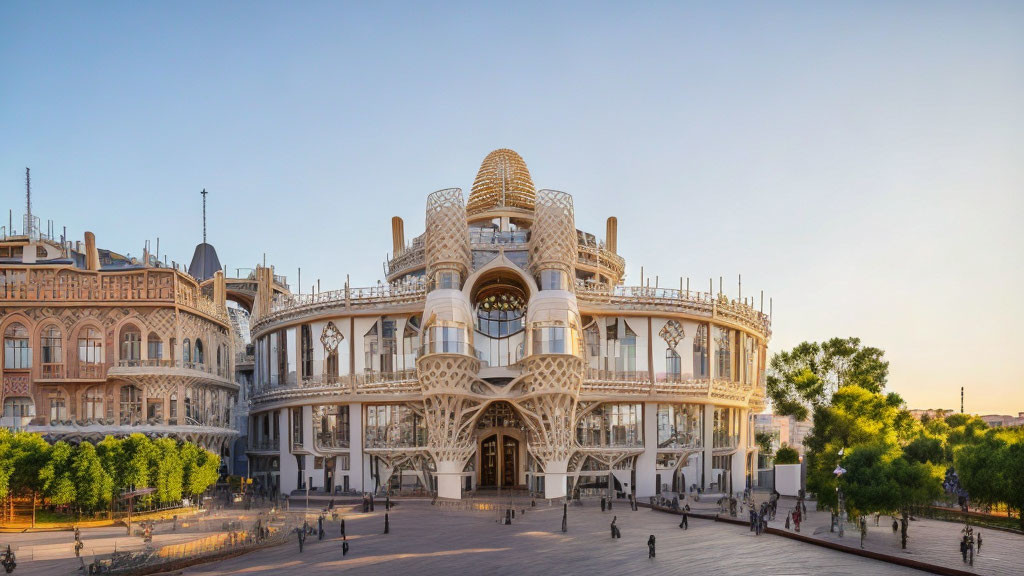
column 979, row 542
column 343, row 529
column 650, row 546
column 685, row 522
column 387, row 524
column 615, row 529
column 302, row 537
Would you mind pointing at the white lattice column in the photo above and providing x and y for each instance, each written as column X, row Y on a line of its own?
column 446, row 246
column 450, row 407
column 549, row 409
column 553, row 244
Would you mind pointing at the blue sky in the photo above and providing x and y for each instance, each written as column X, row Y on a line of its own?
column 861, row 162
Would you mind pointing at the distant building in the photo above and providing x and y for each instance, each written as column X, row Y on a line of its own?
column 930, row 412
column 1001, row 421
column 786, row 430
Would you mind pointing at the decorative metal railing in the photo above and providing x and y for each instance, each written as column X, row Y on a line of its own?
column 151, row 285
column 382, row 294
column 222, row 372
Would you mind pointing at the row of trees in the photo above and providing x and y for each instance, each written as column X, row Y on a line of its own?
column 87, row 477
column 887, row 461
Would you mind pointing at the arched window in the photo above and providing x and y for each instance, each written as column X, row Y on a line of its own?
column 90, row 353
column 131, row 344
column 58, row 406
column 673, row 364
column 189, row 409
column 198, row 357
column 131, row 405
column 186, row 351
column 172, row 410
column 92, row 403
column 700, row 352
column 17, row 353
column 52, row 348
column 155, row 347
column 723, row 353
column 331, row 338
column 19, row 407
column 411, row 343
column 218, row 360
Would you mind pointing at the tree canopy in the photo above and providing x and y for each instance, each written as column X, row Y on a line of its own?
column 86, row 477
column 804, row 378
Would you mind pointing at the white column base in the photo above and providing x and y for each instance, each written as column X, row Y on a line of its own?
column 449, row 480
column 555, row 474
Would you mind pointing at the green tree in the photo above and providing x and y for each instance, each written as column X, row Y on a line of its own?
column 787, row 455
column 765, row 441
column 1013, row 467
column 806, row 377
column 167, row 470
column 29, row 453
column 201, row 468
column 93, row 484
column 871, row 429
column 56, row 476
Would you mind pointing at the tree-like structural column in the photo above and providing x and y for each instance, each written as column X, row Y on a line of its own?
column 549, row 410
column 450, row 411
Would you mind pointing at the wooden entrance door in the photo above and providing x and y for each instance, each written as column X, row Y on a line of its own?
column 509, row 462
column 489, row 461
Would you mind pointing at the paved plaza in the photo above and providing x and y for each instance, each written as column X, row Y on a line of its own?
column 425, row 541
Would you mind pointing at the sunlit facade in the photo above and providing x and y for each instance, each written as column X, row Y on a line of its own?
column 504, row 350
column 96, row 344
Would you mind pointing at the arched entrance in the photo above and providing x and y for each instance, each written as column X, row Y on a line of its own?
column 501, row 447
column 499, row 461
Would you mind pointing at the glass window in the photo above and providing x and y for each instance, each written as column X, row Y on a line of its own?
column 612, row 425
column 131, row 344
column 723, row 353
column 155, row 347
column 172, row 409
column 186, row 351
column 198, row 356
column 131, row 405
column 90, row 352
column 393, row 426
column 673, row 364
column 297, row 440
column 17, row 353
column 411, row 343
column 19, row 407
column 447, row 280
column 92, row 403
column 700, row 352
column 58, row 407
column 553, row 280
column 51, row 346
column 680, row 425
column 306, row 335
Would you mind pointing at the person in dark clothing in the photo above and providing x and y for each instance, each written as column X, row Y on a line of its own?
column 895, row 526
column 344, row 548
column 320, row 527
column 387, row 524
column 650, row 546
column 565, row 517
column 615, row 529
column 979, row 542
column 684, row 523
column 343, row 529
column 604, row 504
column 302, row 537
column 963, row 548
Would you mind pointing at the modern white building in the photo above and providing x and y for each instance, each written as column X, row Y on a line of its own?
column 504, row 351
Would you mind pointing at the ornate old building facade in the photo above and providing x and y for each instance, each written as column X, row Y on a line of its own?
column 95, row 343
column 504, row 351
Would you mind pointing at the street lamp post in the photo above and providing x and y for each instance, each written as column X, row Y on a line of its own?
column 841, row 504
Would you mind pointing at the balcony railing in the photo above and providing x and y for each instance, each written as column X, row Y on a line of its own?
column 151, row 285
column 400, row 382
column 383, row 294
column 264, row 444
column 673, row 300
column 221, row 371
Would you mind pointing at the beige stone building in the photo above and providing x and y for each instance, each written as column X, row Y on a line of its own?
column 504, row 350
column 95, row 343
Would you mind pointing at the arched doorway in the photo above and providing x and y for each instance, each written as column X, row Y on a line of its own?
column 499, row 461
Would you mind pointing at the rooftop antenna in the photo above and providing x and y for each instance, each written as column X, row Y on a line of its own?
column 961, row 399
column 204, row 193
column 28, row 201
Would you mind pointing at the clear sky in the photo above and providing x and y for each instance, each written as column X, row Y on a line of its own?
column 861, row 163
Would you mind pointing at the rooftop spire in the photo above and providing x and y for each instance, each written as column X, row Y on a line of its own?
column 204, row 193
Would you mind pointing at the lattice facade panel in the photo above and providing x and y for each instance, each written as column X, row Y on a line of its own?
column 450, row 405
column 549, row 405
column 447, row 234
column 553, row 243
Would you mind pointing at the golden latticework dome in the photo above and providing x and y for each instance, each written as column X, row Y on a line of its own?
column 503, row 181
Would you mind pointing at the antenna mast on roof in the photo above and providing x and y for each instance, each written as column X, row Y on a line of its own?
column 28, row 201
column 204, row 193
